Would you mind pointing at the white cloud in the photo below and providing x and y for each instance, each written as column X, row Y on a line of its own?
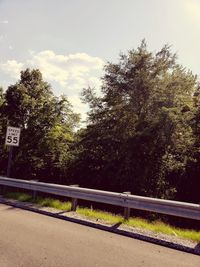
column 4, row 21
column 68, row 74
column 69, row 69
column 78, row 106
column 192, row 8
column 12, row 68
column 2, row 37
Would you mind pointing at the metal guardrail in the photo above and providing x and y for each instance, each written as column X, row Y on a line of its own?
column 181, row 209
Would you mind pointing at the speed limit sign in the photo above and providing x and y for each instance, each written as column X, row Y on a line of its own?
column 12, row 136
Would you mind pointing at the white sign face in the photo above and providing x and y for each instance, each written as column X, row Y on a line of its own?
column 12, row 136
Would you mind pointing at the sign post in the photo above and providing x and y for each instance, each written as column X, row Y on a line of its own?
column 12, row 139
column 9, row 161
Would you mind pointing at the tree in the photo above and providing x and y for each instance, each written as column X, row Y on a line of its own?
column 47, row 127
column 188, row 188
column 3, row 123
column 139, row 134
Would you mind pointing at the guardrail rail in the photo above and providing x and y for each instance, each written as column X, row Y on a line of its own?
column 126, row 200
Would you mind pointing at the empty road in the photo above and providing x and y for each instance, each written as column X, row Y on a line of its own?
column 29, row 239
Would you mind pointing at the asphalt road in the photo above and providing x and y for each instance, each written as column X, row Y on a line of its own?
column 29, row 239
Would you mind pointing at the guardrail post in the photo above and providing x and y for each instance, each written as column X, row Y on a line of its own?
column 34, row 194
column 3, row 189
column 126, row 209
column 74, row 200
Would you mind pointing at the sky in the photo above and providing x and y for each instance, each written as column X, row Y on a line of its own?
column 70, row 41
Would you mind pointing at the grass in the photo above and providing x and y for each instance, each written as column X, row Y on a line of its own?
column 156, row 226
column 101, row 215
column 54, row 203
column 19, row 196
column 160, row 227
column 43, row 202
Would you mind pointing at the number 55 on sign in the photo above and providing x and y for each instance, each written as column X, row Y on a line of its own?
column 12, row 136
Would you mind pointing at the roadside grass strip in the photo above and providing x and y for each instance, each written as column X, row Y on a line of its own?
column 43, row 202
column 100, row 215
column 19, row 196
column 54, row 203
column 160, row 227
column 155, row 226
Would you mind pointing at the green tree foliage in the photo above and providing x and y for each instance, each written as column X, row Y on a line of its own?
column 47, row 127
column 3, row 123
column 188, row 189
column 139, row 135
column 143, row 131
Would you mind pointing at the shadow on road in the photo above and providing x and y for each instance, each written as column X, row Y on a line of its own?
column 197, row 248
column 115, row 226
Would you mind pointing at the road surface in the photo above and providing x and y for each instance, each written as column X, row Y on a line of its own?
column 29, row 239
